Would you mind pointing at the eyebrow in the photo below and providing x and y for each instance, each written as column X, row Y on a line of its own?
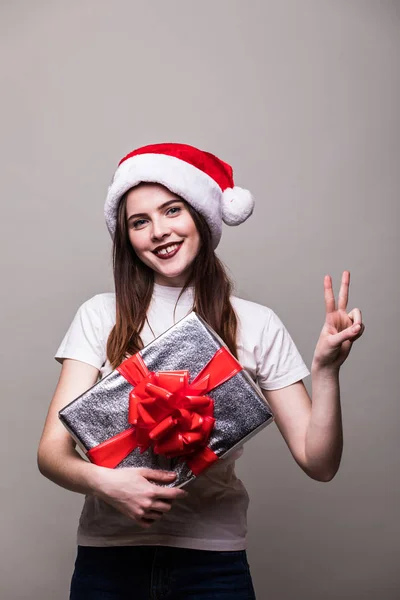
column 159, row 208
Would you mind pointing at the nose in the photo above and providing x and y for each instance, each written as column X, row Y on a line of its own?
column 160, row 230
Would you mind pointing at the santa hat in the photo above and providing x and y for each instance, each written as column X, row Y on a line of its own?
column 200, row 178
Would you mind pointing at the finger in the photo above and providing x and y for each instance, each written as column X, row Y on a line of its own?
column 145, row 523
column 349, row 334
column 169, row 494
column 152, row 515
column 359, row 333
column 158, row 475
column 356, row 316
column 358, row 328
column 328, row 294
column 161, row 506
column 343, row 297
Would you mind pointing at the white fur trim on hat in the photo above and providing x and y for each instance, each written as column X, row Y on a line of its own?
column 190, row 183
column 237, row 205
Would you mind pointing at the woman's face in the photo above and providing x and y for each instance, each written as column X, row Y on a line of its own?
column 162, row 232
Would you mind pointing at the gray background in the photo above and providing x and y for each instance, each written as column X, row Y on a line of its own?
column 302, row 98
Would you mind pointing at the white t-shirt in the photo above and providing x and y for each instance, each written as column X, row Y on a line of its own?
column 213, row 516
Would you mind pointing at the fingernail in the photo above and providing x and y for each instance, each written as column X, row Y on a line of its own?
column 356, row 327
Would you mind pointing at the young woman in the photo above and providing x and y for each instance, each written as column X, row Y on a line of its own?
column 138, row 538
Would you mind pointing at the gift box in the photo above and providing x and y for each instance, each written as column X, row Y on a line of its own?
column 181, row 403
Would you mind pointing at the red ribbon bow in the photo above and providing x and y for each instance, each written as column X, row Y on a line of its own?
column 167, row 413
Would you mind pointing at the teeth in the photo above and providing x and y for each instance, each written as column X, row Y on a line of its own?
column 168, row 249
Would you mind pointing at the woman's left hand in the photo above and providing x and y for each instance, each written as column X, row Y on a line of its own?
column 340, row 327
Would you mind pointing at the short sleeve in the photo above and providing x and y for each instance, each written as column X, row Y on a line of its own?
column 279, row 362
column 84, row 339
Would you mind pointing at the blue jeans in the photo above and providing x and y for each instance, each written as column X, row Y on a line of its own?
column 160, row 573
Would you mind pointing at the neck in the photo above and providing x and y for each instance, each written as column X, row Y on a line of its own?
column 179, row 281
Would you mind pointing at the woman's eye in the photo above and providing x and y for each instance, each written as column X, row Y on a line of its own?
column 174, row 210
column 139, row 223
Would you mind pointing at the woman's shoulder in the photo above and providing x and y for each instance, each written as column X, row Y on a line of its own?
column 99, row 302
column 100, row 307
column 254, row 321
column 249, row 310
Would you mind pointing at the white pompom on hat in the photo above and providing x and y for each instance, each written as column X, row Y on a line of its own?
column 200, row 178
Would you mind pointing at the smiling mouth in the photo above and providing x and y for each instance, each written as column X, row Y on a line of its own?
column 167, row 250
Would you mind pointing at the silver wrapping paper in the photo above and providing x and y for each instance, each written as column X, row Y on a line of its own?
column 240, row 409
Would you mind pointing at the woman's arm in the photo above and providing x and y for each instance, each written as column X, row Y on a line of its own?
column 311, row 429
column 57, row 458
column 130, row 490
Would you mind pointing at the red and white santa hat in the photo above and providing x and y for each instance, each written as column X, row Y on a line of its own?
column 200, row 178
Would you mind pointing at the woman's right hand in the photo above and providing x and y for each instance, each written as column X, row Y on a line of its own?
column 132, row 491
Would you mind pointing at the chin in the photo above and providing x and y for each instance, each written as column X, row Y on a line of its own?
column 174, row 273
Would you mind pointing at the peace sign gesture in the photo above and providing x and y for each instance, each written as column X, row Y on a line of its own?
column 340, row 329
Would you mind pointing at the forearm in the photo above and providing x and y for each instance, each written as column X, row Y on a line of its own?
column 63, row 465
column 324, row 436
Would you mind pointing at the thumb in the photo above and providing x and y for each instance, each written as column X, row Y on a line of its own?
column 157, row 475
column 350, row 333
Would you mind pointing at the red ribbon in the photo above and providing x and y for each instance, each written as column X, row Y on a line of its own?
column 168, row 413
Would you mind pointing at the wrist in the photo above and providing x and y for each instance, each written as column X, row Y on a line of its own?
column 327, row 371
column 96, row 479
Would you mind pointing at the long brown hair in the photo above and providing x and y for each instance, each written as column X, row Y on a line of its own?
column 134, row 282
